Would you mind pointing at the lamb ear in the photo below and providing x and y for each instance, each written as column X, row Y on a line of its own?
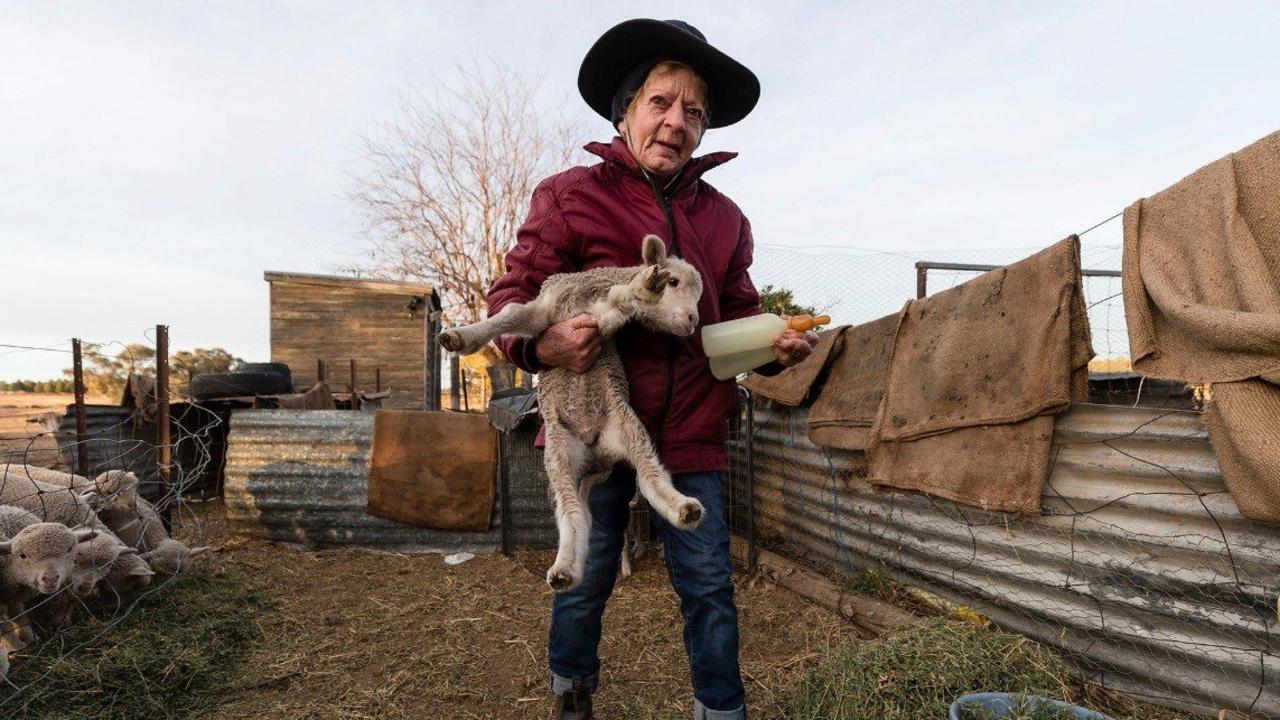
column 129, row 551
column 84, row 534
column 653, row 251
column 6, row 547
column 198, row 551
column 146, row 555
column 656, row 279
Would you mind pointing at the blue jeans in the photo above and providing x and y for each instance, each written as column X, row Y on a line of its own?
column 700, row 571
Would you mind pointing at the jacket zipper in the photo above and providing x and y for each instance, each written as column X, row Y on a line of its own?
column 665, row 205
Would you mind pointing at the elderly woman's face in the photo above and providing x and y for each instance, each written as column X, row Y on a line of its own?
column 665, row 124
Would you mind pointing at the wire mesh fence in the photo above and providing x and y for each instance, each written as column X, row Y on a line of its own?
column 1139, row 568
column 137, row 492
column 859, row 286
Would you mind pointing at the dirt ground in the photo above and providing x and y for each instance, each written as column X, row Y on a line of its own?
column 27, row 442
column 361, row 634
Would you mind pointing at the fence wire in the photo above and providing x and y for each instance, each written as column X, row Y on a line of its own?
column 36, row 462
column 857, row 286
column 1139, row 567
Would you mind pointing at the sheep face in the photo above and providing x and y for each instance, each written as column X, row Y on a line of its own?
column 116, row 490
column 171, row 557
column 129, row 574
column 666, row 292
column 93, row 560
column 42, row 556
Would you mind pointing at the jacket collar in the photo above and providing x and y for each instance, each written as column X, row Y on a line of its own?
column 618, row 154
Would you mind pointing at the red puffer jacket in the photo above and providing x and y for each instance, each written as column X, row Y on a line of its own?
column 596, row 216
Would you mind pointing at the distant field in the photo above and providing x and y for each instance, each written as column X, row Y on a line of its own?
column 27, row 442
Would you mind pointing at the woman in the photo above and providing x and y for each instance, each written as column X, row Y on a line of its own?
column 662, row 86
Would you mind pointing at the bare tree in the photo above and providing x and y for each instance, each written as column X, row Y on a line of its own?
column 447, row 183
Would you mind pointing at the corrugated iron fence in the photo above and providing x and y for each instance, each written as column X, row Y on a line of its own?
column 1139, row 568
column 301, row 477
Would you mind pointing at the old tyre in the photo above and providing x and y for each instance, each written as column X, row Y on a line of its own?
column 267, row 367
column 211, row 386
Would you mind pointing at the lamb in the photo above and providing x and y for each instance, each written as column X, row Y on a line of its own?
column 52, row 503
column 127, row 576
column 588, row 418
column 143, row 530
column 91, row 563
column 115, row 488
column 35, row 558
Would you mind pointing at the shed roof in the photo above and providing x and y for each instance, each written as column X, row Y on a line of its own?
column 348, row 281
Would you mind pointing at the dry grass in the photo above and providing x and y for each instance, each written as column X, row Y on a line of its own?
column 24, row 442
column 369, row 635
column 349, row 634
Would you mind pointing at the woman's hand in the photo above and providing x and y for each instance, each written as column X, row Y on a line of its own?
column 793, row 346
column 573, row 344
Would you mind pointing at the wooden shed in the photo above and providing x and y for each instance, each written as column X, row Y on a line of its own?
column 389, row 328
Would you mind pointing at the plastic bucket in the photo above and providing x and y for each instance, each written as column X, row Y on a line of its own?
column 998, row 705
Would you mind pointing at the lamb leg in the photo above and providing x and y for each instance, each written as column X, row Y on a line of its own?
column 564, row 462
column 517, row 319
column 625, row 435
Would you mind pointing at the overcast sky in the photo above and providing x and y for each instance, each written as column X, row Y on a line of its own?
column 156, row 158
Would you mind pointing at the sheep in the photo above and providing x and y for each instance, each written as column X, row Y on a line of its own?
column 91, row 563
column 127, row 576
column 52, row 503
column 115, row 488
column 35, row 558
column 143, row 530
column 588, row 418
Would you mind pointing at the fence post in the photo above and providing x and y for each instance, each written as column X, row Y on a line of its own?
column 455, row 383
column 377, row 380
column 82, row 452
column 431, row 356
column 162, row 421
column 320, row 370
column 355, row 398
column 922, row 280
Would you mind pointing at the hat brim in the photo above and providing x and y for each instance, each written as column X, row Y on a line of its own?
column 734, row 88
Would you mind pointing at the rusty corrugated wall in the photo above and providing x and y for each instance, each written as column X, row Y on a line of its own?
column 300, row 476
column 1140, row 567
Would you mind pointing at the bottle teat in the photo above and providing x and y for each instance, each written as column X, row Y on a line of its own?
column 803, row 323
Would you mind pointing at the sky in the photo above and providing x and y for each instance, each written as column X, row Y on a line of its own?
column 156, row 158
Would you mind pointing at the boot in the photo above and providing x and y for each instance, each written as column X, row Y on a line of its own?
column 573, row 705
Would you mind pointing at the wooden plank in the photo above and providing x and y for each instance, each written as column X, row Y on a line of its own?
column 874, row 615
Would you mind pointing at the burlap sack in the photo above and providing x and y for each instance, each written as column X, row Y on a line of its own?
column 976, row 374
column 1202, row 301
column 1244, row 428
column 845, row 408
column 792, row 385
column 1202, row 271
column 433, row 469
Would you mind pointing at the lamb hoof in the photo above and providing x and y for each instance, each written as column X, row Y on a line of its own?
column 451, row 340
column 690, row 515
column 560, row 580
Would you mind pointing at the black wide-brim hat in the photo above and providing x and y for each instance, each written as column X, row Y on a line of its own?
column 734, row 89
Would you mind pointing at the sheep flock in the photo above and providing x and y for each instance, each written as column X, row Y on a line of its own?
column 66, row 539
